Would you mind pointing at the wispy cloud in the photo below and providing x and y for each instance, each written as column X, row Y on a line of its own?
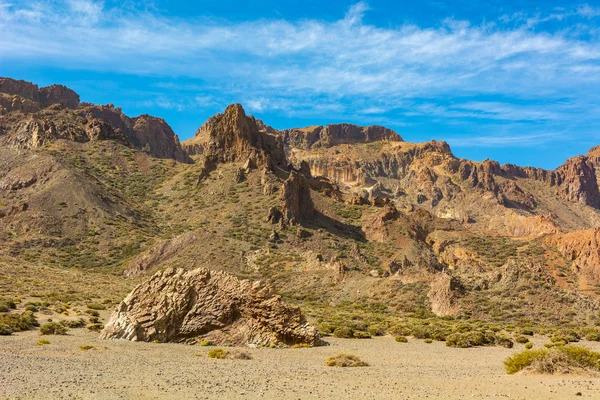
column 347, row 66
column 523, row 140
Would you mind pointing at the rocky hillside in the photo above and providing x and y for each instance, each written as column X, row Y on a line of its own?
column 354, row 224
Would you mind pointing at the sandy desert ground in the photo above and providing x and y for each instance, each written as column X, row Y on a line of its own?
column 126, row 370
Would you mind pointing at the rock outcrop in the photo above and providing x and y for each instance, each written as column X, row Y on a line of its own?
column 150, row 134
column 582, row 249
column 57, row 106
column 186, row 306
column 331, row 135
column 235, row 137
column 298, row 206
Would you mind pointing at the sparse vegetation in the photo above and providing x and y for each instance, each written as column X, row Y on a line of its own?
column 559, row 359
column 42, row 342
column 345, row 360
column 53, row 328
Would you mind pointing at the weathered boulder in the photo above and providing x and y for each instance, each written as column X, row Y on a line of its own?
column 186, row 306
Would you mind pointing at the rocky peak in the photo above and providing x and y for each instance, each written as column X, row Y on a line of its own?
column 44, row 97
column 235, row 137
column 58, row 94
column 331, row 135
column 188, row 306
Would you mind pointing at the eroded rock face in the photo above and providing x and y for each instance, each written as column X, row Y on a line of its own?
column 44, row 97
column 331, row 135
column 298, row 206
column 582, row 248
column 185, row 306
column 235, row 137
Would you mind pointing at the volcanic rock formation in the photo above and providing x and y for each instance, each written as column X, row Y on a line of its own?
column 184, row 306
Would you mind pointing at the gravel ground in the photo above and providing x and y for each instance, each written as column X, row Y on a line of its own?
column 126, row 370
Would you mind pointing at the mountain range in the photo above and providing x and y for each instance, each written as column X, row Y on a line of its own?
column 336, row 218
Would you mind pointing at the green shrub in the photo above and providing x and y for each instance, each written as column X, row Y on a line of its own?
column 528, row 345
column 593, row 336
column 42, row 342
column 218, row 353
column 19, row 322
column 80, row 323
column 5, row 330
column 7, row 304
column 95, row 327
column 345, row 360
column 53, row 328
column 401, row 339
column 343, row 332
column 561, row 359
column 428, row 340
column 361, row 335
column 521, row 339
column 206, row 343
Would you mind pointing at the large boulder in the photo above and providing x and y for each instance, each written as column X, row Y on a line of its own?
column 187, row 306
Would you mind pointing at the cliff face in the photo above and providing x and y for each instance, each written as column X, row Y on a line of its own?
column 331, row 135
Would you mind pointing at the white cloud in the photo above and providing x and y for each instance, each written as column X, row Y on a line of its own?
column 342, row 67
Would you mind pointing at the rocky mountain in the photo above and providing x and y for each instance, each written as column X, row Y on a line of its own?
column 353, row 224
column 31, row 116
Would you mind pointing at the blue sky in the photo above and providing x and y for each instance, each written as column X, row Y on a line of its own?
column 515, row 81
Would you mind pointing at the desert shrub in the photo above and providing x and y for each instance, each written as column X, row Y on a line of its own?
column 345, row 360
column 400, row 330
column 526, row 332
column 528, row 345
column 361, row 335
column 218, row 353
column 421, row 332
column 428, row 340
column 521, row 339
column 593, row 336
column 80, row 323
column 19, row 322
column 401, row 339
column 7, row 304
column 92, row 313
column 376, row 330
column 95, row 327
column 53, row 328
column 31, row 307
column 5, row 330
column 42, row 342
column 343, row 332
column 561, row 359
column 206, row 343
column 504, row 341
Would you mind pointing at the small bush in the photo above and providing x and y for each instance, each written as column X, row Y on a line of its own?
column 42, row 342
column 80, row 323
column 343, row 332
column 593, row 336
column 95, row 327
column 428, row 340
column 7, row 304
column 559, row 359
column 521, row 339
column 206, row 343
column 218, row 353
column 345, row 360
column 5, row 330
column 401, row 339
column 19, row 322
column 361, row 335
column 53, row 328
column 528, row 345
